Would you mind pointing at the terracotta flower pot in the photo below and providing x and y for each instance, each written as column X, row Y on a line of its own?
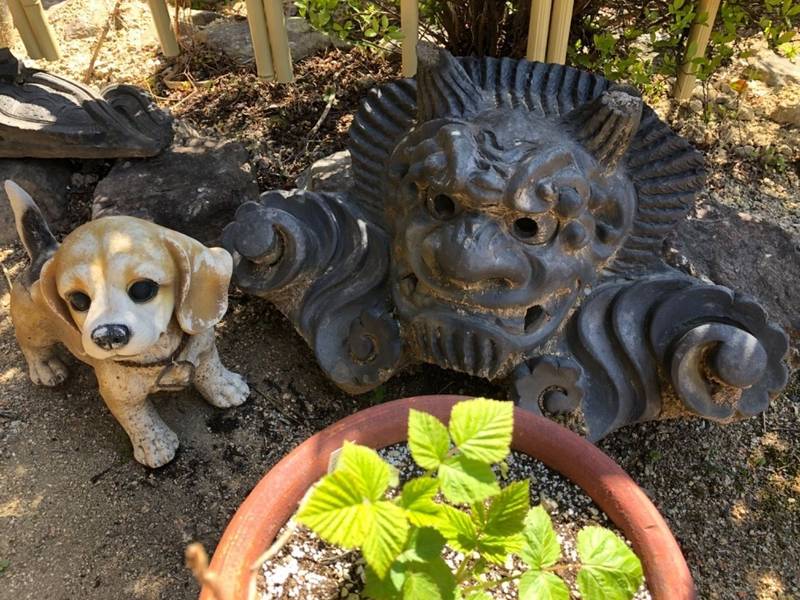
column 275, row 498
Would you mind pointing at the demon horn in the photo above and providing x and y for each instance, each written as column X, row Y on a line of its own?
column 443, row 87
column 606, row 125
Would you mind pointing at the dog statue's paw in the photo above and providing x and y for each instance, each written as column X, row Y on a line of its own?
column 49, row 371
column 229, row 390
column 156, row 449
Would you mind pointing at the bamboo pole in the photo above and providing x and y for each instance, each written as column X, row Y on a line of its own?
column 24, row 29
column 409, row 26
column 42, row 31
column 696, row 46
column 257, row 22
column 538, row 28
column 166, row 37
column 557, row 39
column 278, row 41
column 6, row 26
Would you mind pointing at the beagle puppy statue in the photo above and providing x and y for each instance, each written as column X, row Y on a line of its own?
column 136, row 301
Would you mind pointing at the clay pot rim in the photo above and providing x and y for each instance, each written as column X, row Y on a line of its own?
column 275, row 498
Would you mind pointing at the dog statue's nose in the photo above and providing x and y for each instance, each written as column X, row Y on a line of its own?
column 111, row 337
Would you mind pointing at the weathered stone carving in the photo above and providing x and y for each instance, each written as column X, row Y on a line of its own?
column 506, row 220
column 47, row 116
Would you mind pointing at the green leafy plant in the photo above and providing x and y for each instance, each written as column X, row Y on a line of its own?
column 457, row 503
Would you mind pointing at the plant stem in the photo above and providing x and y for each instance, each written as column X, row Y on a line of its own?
column 461, row 569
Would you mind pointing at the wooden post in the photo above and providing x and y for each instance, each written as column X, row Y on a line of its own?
column 558, row 38
column 538, row 28
column 257, row 21
column 42, row 31
column 278, row 41
column 166, row 37
column 409, row 26
column 24, row 29
column 696, row 46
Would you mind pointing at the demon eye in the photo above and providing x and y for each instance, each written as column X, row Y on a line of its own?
column 79, row 301
column 142, row 291
column 535, row 231
column 442, row 207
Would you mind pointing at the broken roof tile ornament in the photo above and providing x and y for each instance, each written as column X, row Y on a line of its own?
column 506, row 220
column 43, row 115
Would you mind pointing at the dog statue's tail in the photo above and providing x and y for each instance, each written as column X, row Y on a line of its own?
column 32, row 229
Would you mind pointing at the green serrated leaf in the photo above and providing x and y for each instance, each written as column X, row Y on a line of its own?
column 496, row 549
column 419, row 585
column 464, row 481
column 424, row 544
column 386, row 588
column 541, row 548
column 507, row 511
column 428, row 439
column 609, row 568
column 481, row 429
column 458, row 529
column 371, row 473
column 386, row 536
column 417, row 500
column 336, row 511
column 542, row 585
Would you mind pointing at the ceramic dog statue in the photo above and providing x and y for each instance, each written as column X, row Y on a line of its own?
column 136, row 301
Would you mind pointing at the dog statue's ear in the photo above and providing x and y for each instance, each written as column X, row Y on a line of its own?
column 201, row 294
column 49, row 293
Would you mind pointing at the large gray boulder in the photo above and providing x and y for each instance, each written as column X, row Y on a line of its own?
column 193, row 188
column 330, row 174
column 47, row 181
column 232, row 38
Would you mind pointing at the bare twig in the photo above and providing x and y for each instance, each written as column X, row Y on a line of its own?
column 291, row 527
column 112, row 18
column 276, row 546
column 6, row 276
column 197, row 562
column 323, row 116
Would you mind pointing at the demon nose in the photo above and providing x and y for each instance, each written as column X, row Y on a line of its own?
column 111, row 337
column 477, row 253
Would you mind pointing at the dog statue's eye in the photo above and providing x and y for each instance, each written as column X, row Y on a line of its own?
column 442, row 207
column 535, row 231
column 143, row 290
column 79, row 301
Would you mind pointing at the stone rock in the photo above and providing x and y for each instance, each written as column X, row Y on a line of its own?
column 745, row 254
column 305, row 41
column 787, row 114
column 330, row 174
column 47, row 181
column 233, row 39
column 773, row 69
column 193, row 188
column 201, row 18
column 746, row 113
column 76, row 25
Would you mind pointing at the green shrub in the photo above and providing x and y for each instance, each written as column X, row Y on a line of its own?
column 457, row 503
column 641, row 43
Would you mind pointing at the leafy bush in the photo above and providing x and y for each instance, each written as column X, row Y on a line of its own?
column 638, row 42
column 644, row 43
column 457, row 503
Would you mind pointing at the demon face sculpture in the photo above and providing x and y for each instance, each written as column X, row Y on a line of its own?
column 506, row 221
column 498, row 221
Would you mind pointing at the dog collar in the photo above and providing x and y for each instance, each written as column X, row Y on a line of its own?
column 175, row 375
